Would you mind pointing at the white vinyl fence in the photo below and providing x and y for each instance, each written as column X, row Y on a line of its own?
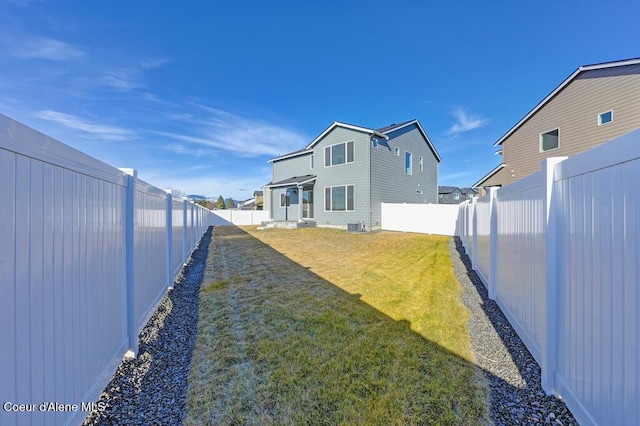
column 86, row 253
column 559, row 251
column 239, row 217
column 439, row 219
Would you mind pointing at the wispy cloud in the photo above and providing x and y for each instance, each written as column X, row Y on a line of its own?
column 129, row 78
column 243, row 136
column 87, row 128
column 47, row 48
column 465, row 121
column 452, row 176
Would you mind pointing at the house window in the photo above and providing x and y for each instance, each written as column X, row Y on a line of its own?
column 549, row 140
column 469, row 195
column 456, row 196
column 407, row 163
column 338, row 198
column 311, row 161
column 397, row 152
column 285, row 200
column 374, row 142
column 337, row 154
column 421, row 162
column 605, row 117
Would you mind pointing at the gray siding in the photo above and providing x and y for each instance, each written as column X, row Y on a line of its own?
column 356, row 173
column 390, row 184
column 574, row 111
column 284, row 213
column 296, row 166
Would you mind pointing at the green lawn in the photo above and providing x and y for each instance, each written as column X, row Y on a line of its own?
column 318, row 326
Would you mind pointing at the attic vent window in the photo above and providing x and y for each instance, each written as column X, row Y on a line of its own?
column 397, row 152
column 549, row 140
column 605, row 117
column 374, row 142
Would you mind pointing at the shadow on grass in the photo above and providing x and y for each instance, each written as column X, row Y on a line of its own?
column 278, row 344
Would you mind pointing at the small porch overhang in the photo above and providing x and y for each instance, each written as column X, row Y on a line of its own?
column 295, row 181
column 300, row 184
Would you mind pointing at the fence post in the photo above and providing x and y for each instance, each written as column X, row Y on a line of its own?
column 185, row 232
column 474, row 240
column 550, row 355
column 130, row 247
column 169, row 238
column 493, row 241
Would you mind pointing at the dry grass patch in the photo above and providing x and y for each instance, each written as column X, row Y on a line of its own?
column 285, row 338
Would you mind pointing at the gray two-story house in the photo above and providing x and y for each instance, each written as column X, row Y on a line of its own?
column 345, row 174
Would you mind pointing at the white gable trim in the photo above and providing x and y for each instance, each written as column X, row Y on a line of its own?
column 562, row 86
column 346, row 126
column 488, row 175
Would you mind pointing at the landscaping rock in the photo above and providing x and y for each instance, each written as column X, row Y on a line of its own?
column 516, row 395
column 151, row 388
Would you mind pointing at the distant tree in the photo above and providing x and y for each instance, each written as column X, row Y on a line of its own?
column 202, row 203
column 220, row 205
column 178, row 193
column 230, row 203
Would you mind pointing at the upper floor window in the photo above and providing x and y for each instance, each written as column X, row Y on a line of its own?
column 549, row 140
column 374, row 142
column 605, row 117
column 407, row 163
column 421, row 163
column 340, row 153
column 397, row 151
column 456, row 195
column 311, row 160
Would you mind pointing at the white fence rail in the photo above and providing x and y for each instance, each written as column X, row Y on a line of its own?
column 559, row 251
column 86, row 253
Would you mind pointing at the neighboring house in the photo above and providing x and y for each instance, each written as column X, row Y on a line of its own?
column 469, row 193
column 345, row 174
column 258, row 196
column 593, row 105
column 449, row 195
column 455, row 195
column 248, row 204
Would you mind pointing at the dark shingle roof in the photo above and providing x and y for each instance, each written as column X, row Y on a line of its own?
column 392, row 126
column 292, row 181
column 446, row 189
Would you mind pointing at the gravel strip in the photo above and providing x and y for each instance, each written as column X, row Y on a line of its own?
column 516, row 395
column 152, row 388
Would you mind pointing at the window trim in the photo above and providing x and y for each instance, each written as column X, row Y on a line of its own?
column 346, row 198
column 540, row 145
column 346, row 153
column 600, row 123
column 408, row 170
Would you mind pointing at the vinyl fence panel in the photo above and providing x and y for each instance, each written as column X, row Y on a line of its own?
column 599, row 301
column 566, row 256
column 439, row 219
column 64, row 254
column 482, row 228
column 520, row 288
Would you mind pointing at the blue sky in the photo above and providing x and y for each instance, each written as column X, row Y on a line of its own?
column 197, row 95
